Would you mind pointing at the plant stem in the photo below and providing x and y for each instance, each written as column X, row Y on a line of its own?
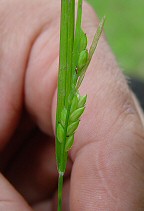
column 70, row 39
column 64, row 83
column 69, row 52
column 62, row 73
column 71, row 26
column 69, row 22
column 60, row 188
column 70, row 44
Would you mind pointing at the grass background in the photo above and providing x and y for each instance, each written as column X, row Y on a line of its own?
column 124, row 29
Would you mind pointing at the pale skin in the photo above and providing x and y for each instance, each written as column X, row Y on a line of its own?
column 106, row 161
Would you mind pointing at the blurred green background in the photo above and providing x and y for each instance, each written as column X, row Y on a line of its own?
column 124, row 29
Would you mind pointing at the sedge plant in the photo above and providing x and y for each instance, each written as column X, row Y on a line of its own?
column 74, row 60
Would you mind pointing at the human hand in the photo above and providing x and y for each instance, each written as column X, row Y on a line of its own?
column 107, row 157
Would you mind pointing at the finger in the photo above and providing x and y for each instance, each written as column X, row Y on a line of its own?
column 42, row 69
column 108, row 152
column 10, row 199
column 22, row 23
column 109, row 146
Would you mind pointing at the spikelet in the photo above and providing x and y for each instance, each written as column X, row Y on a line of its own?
column 74, row 103
column 63, row 116
column 60, row 133
column 76, row 110
column 72, row 128
column 69, row 143
column 83, row 58
column 84, row 41
column 76, row 114
column 82, row 101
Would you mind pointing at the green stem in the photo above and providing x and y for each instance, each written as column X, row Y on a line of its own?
column 70, row 39
column 64, row 82
column 71, row 26
column 62, row 72
column 60, row 188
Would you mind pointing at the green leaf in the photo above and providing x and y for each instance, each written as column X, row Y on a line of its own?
column 60, row 133
column 76, row 114
column 91, row 51
column 72, row 127
column 82, row 101
column 96, row 38
column 69, row 143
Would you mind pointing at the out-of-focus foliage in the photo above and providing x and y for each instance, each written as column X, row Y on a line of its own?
column 124, row 29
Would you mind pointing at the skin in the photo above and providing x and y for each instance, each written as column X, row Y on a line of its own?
column 106, row 161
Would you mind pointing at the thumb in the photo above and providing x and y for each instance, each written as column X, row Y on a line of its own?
column 108, row 152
